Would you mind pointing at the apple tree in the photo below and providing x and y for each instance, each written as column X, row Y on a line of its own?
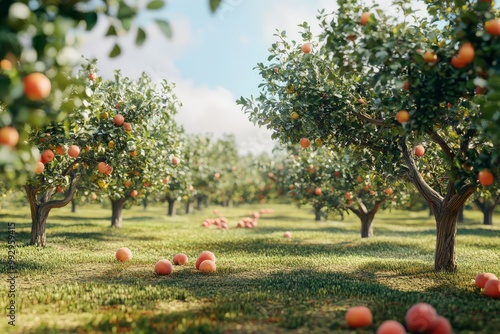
column 377, row 84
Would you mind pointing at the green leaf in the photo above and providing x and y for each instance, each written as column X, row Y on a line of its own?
column 155, row 4
column 141, row 37
column 111, row 31
column 165, row 27
column 214, row 4
column 116, row 51
column 124, row 11
column 90, row 20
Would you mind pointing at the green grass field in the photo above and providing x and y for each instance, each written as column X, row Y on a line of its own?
column 264, row 283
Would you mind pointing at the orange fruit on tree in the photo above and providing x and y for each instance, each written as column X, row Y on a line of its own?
column 351, row 37
column 47, row 156
column 60, row 150
column 128, row 183
column 305, row 143
column 127, row 126
column 175, row 161
column 36, row 86
column 103, row 167
column 419, row 150
column 466, row 52
column 458, row 62
column 402, row 116
column 364, row 18
column 317, row 191
column 306, row 47
column 406, row 85
column 389, row 191
column 430, row 57
column 73, row 151
column 118, row 119
column 485, row 177
column 92, row 76
column 134, row 193
column 9, row 136
column 6, row 64
column 39, row 167
column 492, row 27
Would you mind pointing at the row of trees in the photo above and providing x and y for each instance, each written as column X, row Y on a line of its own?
column 379, row 85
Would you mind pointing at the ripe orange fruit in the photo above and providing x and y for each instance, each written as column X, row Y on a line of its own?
column 127, row 127
column 317, row 191
column 60, row 150
column 134, row 193
column 430, row 57
column 123, row 254
column 36, row 86
column 39, row 167
column 306, row 47
column 492, row 27
column 305, row 143
column 358, row 316
column 402, row 116
column 348, row 195
column 103, row 167
column 205, row 255
column 92, row 76
column 482, row 278
column 163, row 267
column 73, row 151
column 419, row 150
column 406, row 85
column 351, row 37
column 458, row 62
column 466, row 52
column 128, row 183
column 9, row 136
column 391, row 327
column 118, row 119
column 485, row 177
column 421, row 318
column 443, row 326
column 492, row 288
column 6, row 64
column 180, row 259
column 47, row 156
column 208, row 266
column 175, row 161
column 365, row 17
column 389, row 191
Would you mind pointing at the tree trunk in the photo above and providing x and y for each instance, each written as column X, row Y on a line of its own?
column 317, row 213
column 171, row 206
column 445, row 208
column 487, row 210
column 230, row 203
column 116, row 212
column 188, row 206
column 73, row 205
column 145, row 203
column 366, row 216
column 40, row 209
column 199, row 202
column 460, row 217
column 488, row 216
column 446, row 225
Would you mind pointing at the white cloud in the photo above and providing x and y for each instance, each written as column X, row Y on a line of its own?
column 214, row 111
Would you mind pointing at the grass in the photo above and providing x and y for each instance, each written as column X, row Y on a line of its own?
column 263, row 284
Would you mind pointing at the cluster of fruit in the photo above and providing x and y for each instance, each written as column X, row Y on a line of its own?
column 489, row 283
column 420, row 318
column 205, row 262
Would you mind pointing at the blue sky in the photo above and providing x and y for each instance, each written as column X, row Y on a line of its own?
column 210, row 58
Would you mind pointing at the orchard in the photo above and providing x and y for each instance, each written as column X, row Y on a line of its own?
column 145, row 201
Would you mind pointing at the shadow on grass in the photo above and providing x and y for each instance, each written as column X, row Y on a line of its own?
column 312, row 300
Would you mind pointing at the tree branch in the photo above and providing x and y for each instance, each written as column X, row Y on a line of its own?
column 367, row 118
column 442, row 143
column 432, row 197
column 68, row 196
